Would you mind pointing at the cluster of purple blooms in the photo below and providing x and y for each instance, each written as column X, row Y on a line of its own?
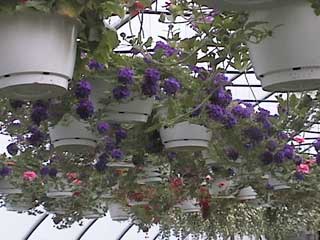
column 95, row 65
column 36, row 137
column 150, row 85
column 125, row 78
column 85, row 107
column 316, row 146
column 5, row 171
column 39, row 112
column 274, row 154
column 47, row 171
column 165, row 49
column 171, row 86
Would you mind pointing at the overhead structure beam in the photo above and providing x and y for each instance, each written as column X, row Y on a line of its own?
column 87, row 228
column 35, row 226
column 125, row 231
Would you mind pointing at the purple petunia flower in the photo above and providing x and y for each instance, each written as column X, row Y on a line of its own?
column 241, row 111
column 165, row 48
column 13, row 149
column 262, row 115
column 171, row 86
column 299, row 175
column 272, row 145
column 216, row 112
column 152, row 75
column 44, row 171
column 85, row 109
column 150, row 89
column 125, row 75
column 279, row 157
column 101, row 165
column 297, row 160
column 288, row 151
column 53, row 172
column 229, row 120
column 103, row 127
column 316, row 144
column 221, row 80
column 5, row 171
column 318, row 158
column 39, row 112
column 254, row 134
column 266, row 157
column 95, row 65
column 121, row 92
column 117, row 154
column 120, row 134
column 283, row 136
column 232, row 154
column 83, row 89
column 109, row 144
column 221, row 97
column 171, row 155
column 36, row 137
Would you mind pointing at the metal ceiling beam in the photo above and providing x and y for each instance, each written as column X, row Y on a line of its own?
column 87, row 228
column 125, row 231
column 35, row 226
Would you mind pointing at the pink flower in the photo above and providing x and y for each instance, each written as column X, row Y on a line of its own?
column 77, row 182
column 29, row 175
column 303, row 168
column 299, row 139
column 72, row 176
column 310, row 162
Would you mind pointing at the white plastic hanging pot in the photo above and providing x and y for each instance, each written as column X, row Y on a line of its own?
column 189, row 206
column 185, row 136
column 135, row 110
column 72, row 135
column 38, row 53
column 247, row 193
column 151, row 175
column 54, row 192
column 277, row 185
column 209, row 161
column 289, row 60
column 117, row 212
column 93, row 214
column 7, row 188
column 120, row 164
column 19, row 206
column 243, row 4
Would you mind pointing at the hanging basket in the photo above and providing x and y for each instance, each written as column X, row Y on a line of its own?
column 54, row 192
column 247, row 193
column 189, row 206
column 72, row 135
column 151, row 175
column 117, row 212
column 38, row 53
column 7, row 188
column 289, row 60
column 185, row 136
column 93, row 214
column 135, row 110
column 18, row 206
column 277, row 185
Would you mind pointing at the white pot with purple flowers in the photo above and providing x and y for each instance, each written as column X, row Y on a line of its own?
column 126, row 106
column 30, row 69
column 7, row 188
column 185, row 136
column 117, row 212
column 72, row 135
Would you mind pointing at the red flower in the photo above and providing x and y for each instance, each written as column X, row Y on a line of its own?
column 136, row 8
column 137, row 196
column 176, row 183
column 72, row 176
column 299, row 139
